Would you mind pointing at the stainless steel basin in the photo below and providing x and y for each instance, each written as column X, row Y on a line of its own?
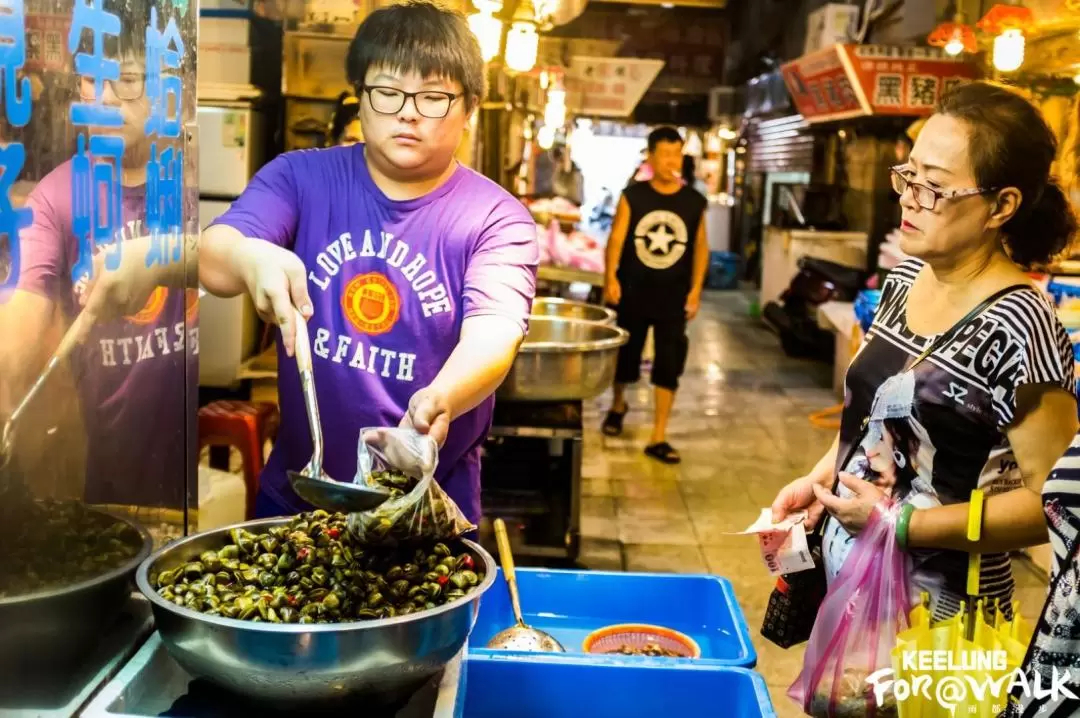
column 569, row 309
column 563, row 360
column 61, row 625
column 384, row 659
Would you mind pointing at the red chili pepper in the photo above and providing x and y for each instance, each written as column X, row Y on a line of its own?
column 303, row 553
column 443, row 579
column 467, row 562
column 333, row 532
column 291, row 599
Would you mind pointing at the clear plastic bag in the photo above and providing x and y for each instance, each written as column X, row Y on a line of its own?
column 404, row 462
column 855, row 632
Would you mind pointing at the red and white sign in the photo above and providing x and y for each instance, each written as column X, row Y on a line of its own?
column 846, row 81
column 46, row 41
column 610, row 86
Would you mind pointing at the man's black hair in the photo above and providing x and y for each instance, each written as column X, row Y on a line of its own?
column 418, row 37
column 663, row 134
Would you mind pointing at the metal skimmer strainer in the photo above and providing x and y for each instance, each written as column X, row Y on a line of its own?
column 519, row 637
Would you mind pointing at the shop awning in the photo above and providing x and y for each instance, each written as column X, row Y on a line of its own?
column 846, row 81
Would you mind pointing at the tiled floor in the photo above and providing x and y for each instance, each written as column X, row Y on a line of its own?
column 740, row 422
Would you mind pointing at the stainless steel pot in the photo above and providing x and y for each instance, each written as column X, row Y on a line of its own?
column 569, row 309
column 61, row 625
column 383, row 659
column 563, row 360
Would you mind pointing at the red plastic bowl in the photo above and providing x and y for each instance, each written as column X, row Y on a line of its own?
column 610, row 639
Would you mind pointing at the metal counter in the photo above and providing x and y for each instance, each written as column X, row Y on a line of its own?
column 63, row 693
column 153, row 684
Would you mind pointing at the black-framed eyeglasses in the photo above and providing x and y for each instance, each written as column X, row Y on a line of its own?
column 927, row 197
column 433, row 104
column 129, row 87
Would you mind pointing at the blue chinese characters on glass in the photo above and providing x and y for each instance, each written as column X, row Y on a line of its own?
column 96, row 191
column 165, row 169
column 17, row 100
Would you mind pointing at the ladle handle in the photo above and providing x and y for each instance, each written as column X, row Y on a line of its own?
column 302, row 351
column 502, row 539
column 301, row 343
column 73, row 337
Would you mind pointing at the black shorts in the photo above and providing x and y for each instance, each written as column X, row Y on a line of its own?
column 670, row 342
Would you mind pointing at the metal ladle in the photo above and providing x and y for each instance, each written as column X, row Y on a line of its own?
column 312, row 484
column 520, row 636
column 73, row 337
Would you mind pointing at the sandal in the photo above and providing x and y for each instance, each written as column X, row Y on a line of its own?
column 664, row 452
column 613, row 423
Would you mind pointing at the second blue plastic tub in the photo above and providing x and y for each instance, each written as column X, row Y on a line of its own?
column 572, row 604
column 550, row 687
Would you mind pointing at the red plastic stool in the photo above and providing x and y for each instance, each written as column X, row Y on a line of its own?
column 246, row 426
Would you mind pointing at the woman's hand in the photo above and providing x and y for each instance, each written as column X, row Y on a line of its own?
column 798, row 496
column 853, row 513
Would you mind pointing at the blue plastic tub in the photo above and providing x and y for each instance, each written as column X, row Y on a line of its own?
column 723, row 270
column 549, row 687
column 572, row 604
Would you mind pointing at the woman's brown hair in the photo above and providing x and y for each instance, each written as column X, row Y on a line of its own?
column 1011, row 145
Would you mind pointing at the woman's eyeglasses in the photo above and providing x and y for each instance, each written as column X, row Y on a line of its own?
column 429, row 103
column 927, row 197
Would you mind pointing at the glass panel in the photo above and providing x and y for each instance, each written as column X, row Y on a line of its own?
column 98, row 222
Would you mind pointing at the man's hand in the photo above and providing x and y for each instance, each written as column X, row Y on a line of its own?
column 693, row 305
column 276, row 279
column 429, row 413
column 121, row 292
column 612, row 291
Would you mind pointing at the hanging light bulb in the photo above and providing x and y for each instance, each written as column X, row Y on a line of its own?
column 954, row 46
column 955, row 36
column 555, row 109
column 545, row 137
column 522, row 46
column 1009, row 50
column 488, row 31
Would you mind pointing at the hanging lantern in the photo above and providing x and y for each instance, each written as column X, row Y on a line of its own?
column 1009, row 50
column 545, row 137
column 522, row 46
column 488, row 31
column 956, row 36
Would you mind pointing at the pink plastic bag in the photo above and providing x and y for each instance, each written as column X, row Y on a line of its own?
column 855, row 632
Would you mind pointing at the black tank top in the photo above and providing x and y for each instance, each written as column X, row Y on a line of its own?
column 656, row 267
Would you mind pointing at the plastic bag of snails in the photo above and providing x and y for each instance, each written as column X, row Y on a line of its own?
column 403, row 462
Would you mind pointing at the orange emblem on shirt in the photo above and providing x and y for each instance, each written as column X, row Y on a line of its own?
column 191, row 305
column 152, row 309
column 372, row 304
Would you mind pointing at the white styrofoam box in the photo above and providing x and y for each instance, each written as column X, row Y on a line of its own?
column 222, row 498
column 830, row 24
column 224, row 50
column 230, row 148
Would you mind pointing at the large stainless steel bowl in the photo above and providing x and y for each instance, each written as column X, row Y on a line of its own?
column 569, row 309
column 383, row 659
column 60, row 625
column 563, row 360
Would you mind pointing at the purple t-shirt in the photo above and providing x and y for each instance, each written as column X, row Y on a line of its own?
column 131, row 374
column 390, row 282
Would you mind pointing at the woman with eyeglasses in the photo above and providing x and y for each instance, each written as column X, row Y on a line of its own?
column 414, row 274
column 994, row 399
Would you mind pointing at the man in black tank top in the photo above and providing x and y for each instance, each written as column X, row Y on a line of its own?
column 657, row 257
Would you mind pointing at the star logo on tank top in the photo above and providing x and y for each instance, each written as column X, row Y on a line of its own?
column 660, row 239
column 371, row 302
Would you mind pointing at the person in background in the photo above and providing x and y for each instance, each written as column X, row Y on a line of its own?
column 344, row 129
column 689, row 176
column 415, row 274
column 656, row 261
column 995, row 404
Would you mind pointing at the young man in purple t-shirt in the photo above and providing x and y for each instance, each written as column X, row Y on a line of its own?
column 415, row 273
